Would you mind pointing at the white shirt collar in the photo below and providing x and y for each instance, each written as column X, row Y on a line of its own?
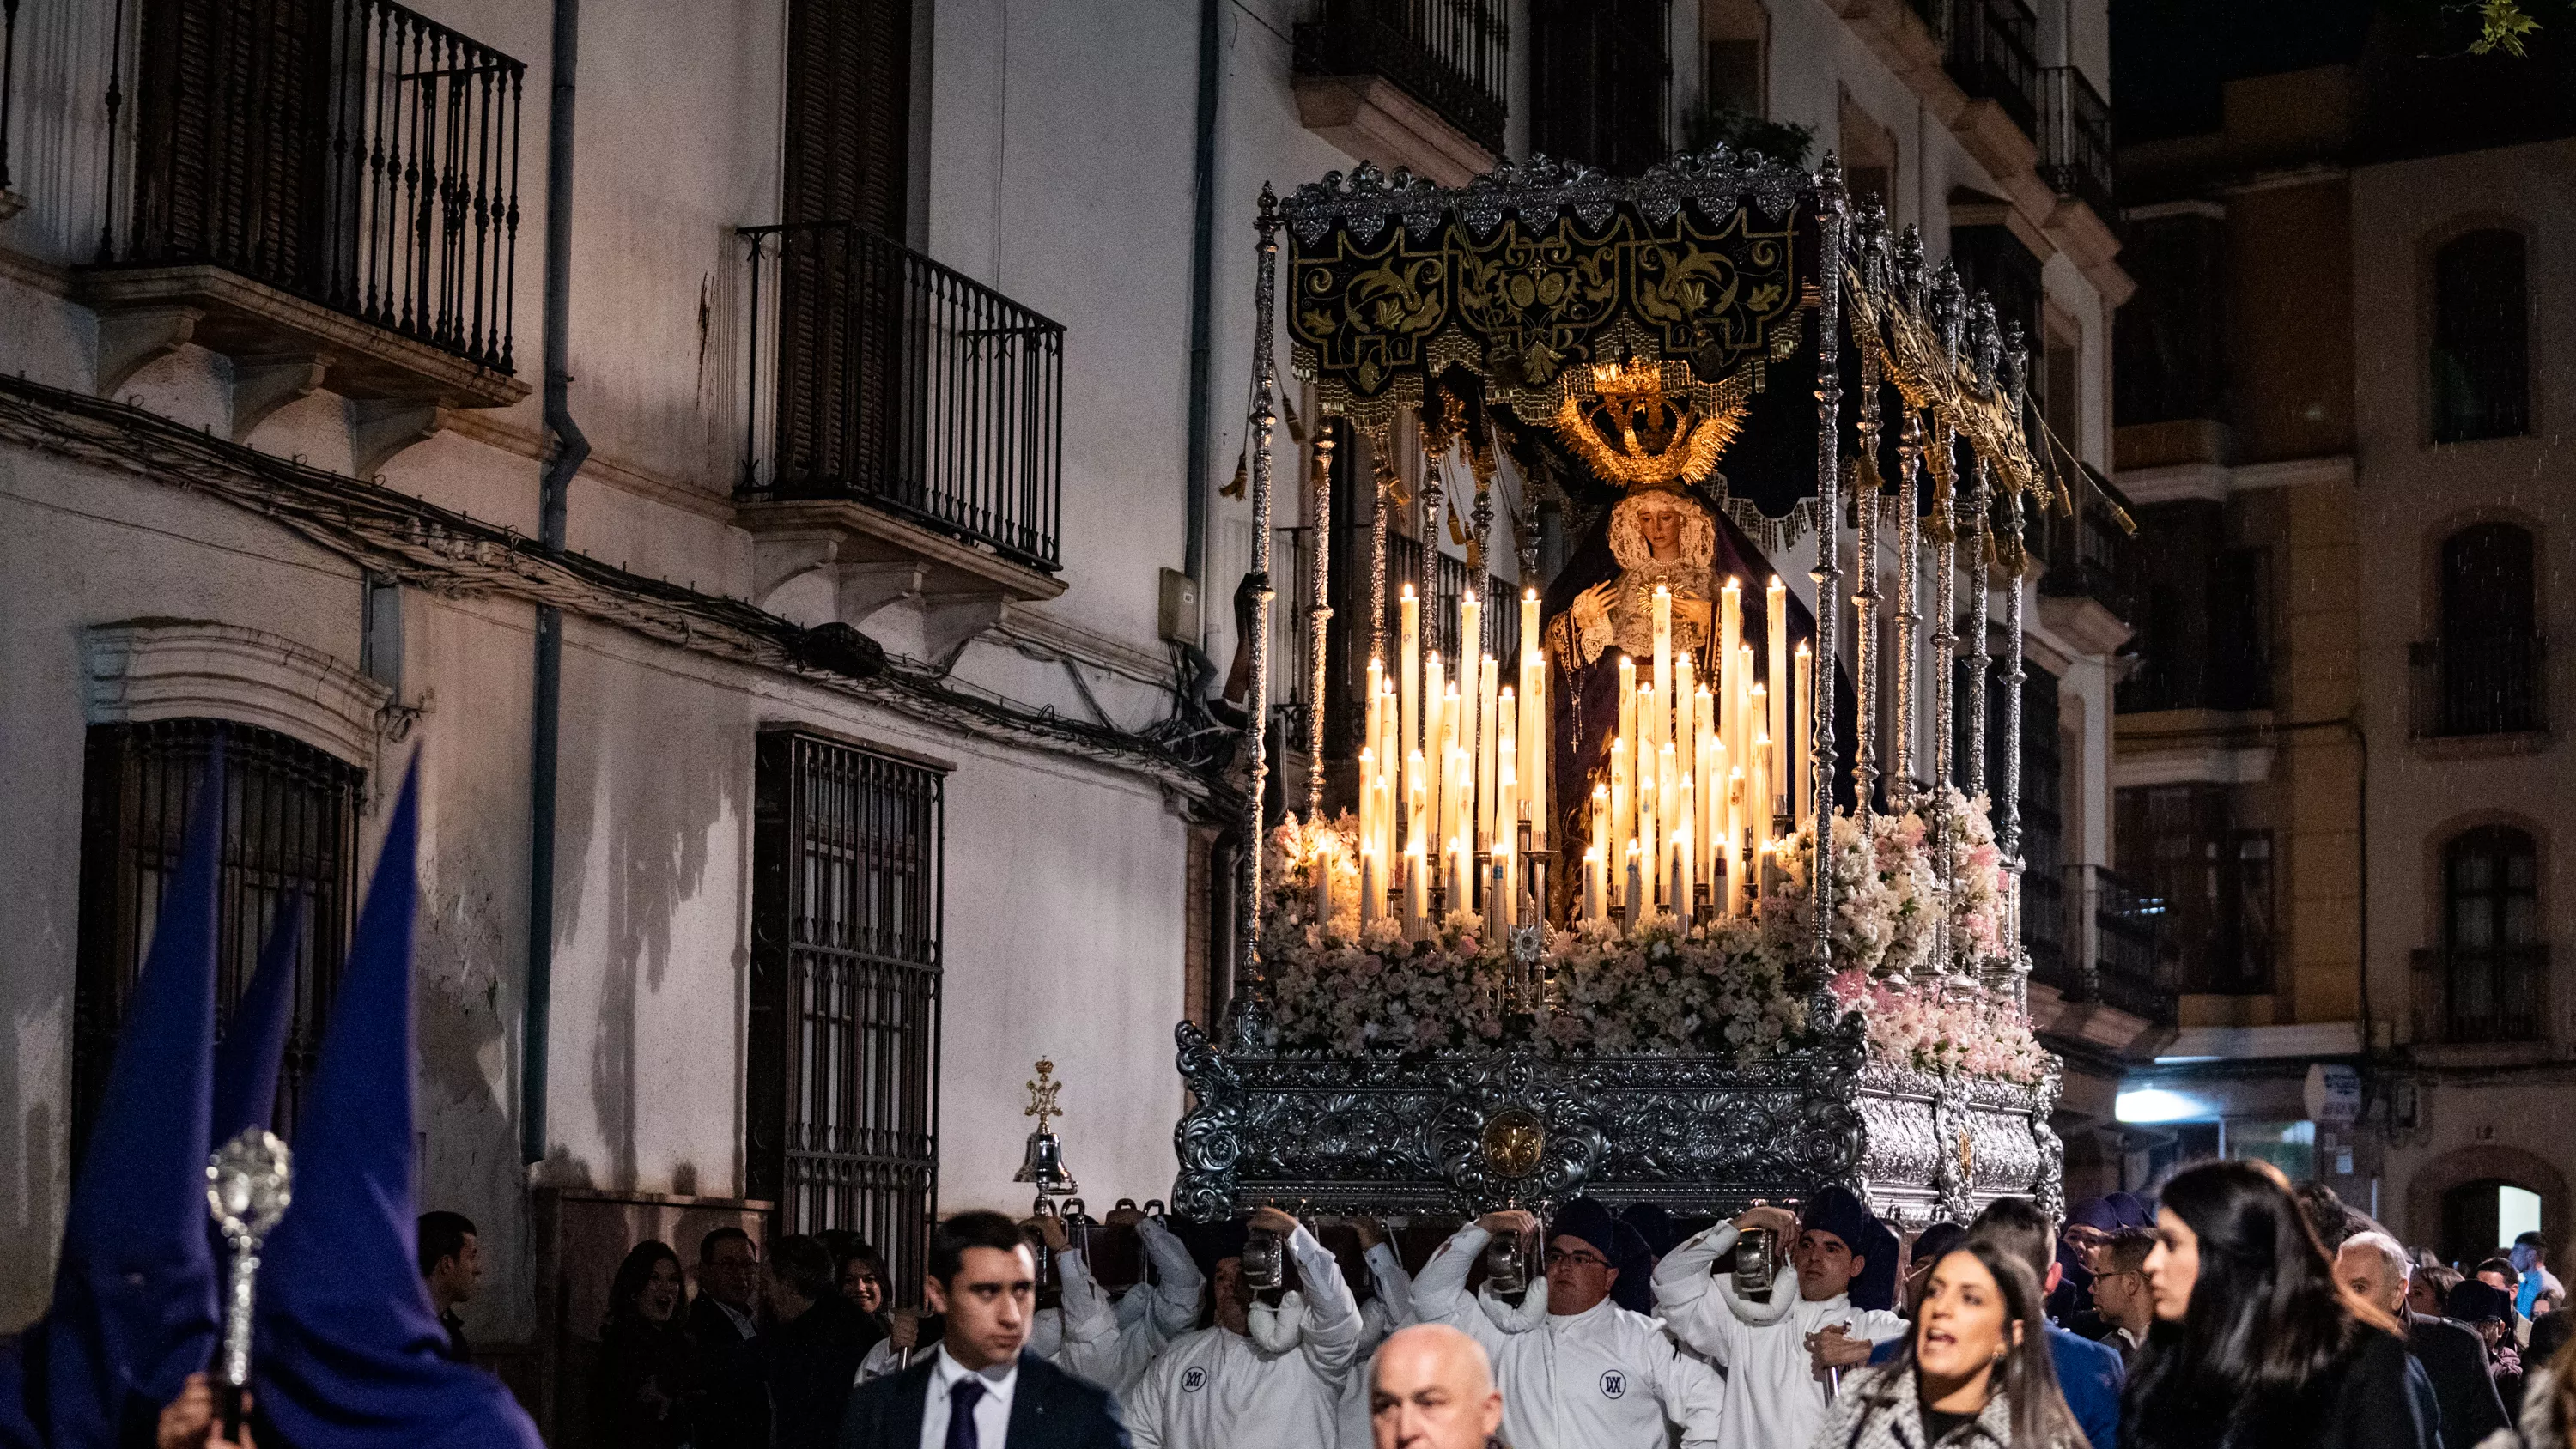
column 999, row 1380
column 741, row 1321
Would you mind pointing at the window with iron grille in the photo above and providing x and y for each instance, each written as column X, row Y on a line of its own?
column 2494, row 968
column 842, row 1106
column 289, row 831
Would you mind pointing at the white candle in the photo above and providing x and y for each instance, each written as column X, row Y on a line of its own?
column 1759, row 799
column 1636, row 890
column 1417, row 803
column 1417, row 889
column 1659, row 728
column 1649, row 818
column 1685, row 858
column 1368, row 794
column 1489, row 727
column 1735, row 840
column 1595, row 882
column 1775, row 602
column 1408, row 668
column 1623, row 798
column 1390, row 758
column 1730, row 681
column 1534, row 737
column 1532, row 723
column 1802, row 732
column 1372, row 884
column 1434, row 692
column 1628, row 721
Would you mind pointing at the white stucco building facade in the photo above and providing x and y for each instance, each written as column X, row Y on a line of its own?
column 226, row 500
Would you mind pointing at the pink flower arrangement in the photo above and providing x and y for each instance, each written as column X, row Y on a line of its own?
column 1976, row 1034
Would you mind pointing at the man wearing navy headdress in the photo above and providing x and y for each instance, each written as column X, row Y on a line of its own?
column 1588, row 1370
column 1779, row 1356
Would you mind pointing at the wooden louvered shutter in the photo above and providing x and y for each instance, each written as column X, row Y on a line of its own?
column 842, row 320
column 231, row 102
column 1600, row 74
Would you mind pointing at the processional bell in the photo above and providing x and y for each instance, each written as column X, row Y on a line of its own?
column 1042, row 1162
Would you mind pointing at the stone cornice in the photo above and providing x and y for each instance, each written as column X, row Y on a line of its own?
column 426, row 547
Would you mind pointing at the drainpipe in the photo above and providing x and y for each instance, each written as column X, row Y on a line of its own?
column 567, row 450
column 1202, row 305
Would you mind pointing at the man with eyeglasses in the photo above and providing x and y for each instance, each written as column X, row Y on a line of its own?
column 1585, row 1373
column 2121, row 1302
column 1781, row 1356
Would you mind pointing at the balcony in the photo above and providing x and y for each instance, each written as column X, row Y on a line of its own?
column 2473, row 688
column 2115, row 963
column 344, row 213
column 2081, row 597
column 2128, row 926
column 2075, row 139
column 904, row 430
column 2481, row 997
column 1418, row 83
column 1988, row 47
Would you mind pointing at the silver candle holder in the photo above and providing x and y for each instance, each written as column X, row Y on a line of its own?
column 249, row 1182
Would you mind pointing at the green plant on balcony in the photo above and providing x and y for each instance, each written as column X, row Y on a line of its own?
column 1709, row 123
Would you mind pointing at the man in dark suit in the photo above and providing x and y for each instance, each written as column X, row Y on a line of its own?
column 2375, row 1268
column 723, row 1324
column 982, row 1389
column 810, row 1352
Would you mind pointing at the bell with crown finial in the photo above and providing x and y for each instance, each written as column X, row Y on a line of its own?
column 1043, row 1161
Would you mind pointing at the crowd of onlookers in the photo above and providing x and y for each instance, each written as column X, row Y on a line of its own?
column 2231, row 1310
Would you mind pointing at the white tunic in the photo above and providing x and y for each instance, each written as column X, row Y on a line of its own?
column 1113, row 1341
column 1380, row 1317
column 1604, row 1378
column 1773, row 1396
column 1217, row 1389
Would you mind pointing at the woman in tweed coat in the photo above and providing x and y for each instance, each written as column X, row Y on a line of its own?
column 1975, row 1374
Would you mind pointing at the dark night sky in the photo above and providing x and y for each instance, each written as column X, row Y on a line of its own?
column 2422, row 93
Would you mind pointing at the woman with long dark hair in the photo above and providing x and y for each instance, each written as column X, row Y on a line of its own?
column 1974, row 1374
column 2255, row 1345
column 645, row 1392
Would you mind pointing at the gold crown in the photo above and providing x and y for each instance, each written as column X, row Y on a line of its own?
column 1631, row 432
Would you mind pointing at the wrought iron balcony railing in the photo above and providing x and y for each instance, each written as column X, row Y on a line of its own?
column 2115, row 961
column 2075, row 138
column 1988, row 48
column 2085, row 550
column 2498, row 994
column 879, row 376
column 1448, row 54
column 350, row 153
column 2478, row 686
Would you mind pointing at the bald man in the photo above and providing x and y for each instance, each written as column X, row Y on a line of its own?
column 2454, row 1359
column 1433, row 1388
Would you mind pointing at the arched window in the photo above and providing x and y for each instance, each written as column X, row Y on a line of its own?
column 2493, row 963
column 2490, row 648
column 2481, row 347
